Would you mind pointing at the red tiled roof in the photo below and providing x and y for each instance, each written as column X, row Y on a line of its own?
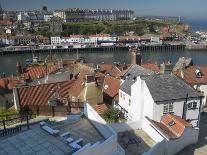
column 152, row 67
column 172, row 125
column 111, row 86
column 76, row 89
column 39, row 71
column 40, row 94
column 100, row 108
column 190, row 76
column 113, row 70
column 9, row 82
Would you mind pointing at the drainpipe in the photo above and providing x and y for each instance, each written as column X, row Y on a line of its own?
column 184, row 107
column 199, row 115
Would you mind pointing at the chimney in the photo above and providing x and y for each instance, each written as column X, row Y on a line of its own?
column 136, row 57
column 182, row 71
column 19, row 68
column 71, row 76
column 90, row 78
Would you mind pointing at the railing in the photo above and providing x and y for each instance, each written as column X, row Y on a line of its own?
column 14, row 123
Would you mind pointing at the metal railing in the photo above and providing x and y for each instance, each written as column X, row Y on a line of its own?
column 13, row 123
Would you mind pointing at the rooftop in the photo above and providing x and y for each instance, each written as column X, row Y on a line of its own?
column 111, row 86
column 137, row 140
column 130, row 76
column 172, row 126
column 37, row 141
column 169, row 87
column 189, row 74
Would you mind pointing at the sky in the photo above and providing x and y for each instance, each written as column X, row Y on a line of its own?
column 193, row 9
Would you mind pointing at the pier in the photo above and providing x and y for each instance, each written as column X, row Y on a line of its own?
column 60, row 50
column 162, row 47
column 96, row 49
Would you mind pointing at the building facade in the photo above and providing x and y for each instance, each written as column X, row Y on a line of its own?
column 76, row 15
column 157, row 95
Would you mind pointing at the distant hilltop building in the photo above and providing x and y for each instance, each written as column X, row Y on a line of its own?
column 1, row 12
column 74, row 15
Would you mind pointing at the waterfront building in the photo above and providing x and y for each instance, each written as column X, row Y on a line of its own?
column 55, row 40
column 1, row 12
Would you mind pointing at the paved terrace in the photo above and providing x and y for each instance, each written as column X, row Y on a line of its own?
column 38, row 141
column 137, row 140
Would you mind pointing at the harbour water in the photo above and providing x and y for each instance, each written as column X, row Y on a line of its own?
column 8, row 62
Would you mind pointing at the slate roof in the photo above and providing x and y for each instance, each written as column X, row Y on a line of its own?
column 133, row 72
column 169, row 87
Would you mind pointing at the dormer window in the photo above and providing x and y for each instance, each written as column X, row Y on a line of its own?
column 198, row 73
column 171, row 123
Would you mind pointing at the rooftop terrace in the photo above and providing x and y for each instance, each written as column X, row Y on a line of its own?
column 38, row 141
column 135, row 142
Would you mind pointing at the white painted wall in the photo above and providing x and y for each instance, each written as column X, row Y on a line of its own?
column 148, row 103
column 55, row 40
column 148, row 128
column 203, row 89
column 97, row 121
column 165, row 146
column 136, row 108
column 124, row 100
column 158, row 109
column 108, row 147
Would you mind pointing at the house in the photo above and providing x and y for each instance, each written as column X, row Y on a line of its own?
column 77, row 87
column 196, row 76
column 127, row 80
column 157, row 95
column 45, row 99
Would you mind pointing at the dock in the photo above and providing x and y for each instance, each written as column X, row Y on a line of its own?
column 162, row 47
column 96, row 49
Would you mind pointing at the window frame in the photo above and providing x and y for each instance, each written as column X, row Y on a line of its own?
column 168, row 108
column 192, row 105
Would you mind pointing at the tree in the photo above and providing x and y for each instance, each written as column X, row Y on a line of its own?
column 111, row 115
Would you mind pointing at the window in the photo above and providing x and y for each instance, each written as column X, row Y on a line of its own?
column 192, row 105
column 129, row 102
column 120, row 95
column 124, row 96
column 168, row 108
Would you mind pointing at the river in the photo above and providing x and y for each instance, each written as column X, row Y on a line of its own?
column 8, row 62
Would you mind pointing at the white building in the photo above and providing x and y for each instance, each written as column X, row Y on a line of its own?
column 128, row 79
column 47, row 17
column 22, row 16
column 157, row 95
column 155, row 41
column 109, row 146
column 56, row 40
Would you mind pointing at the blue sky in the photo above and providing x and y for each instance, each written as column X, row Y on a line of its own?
column 186, row 8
